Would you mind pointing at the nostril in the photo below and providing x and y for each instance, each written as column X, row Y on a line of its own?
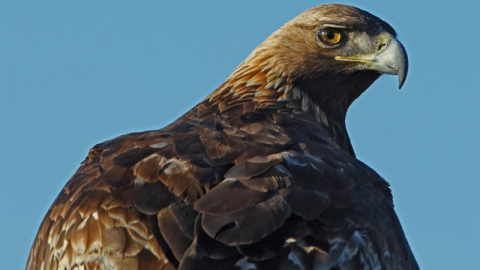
column 381, row 47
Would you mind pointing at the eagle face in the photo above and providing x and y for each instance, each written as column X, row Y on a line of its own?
column 259, row 175
column 366, row 40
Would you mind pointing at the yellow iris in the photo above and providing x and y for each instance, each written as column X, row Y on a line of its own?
column 330, row 36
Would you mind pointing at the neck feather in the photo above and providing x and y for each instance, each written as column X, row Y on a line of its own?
column 264, row 81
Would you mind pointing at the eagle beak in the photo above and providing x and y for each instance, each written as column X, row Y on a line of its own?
column 390, row 57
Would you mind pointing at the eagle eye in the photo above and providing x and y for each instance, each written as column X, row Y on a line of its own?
column 330, row 36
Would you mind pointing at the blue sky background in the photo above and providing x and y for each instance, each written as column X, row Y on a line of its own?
column 75, row 73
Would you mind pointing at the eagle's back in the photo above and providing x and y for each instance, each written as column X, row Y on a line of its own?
column 260, row 190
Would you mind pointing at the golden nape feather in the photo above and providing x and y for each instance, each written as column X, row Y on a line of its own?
column 259, row 175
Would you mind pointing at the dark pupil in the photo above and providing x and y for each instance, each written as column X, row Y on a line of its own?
column 330, row 35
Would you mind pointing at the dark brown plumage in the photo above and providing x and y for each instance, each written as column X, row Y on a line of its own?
column 259, row 175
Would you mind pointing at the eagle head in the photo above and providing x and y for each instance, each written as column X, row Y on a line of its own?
column 328, row 55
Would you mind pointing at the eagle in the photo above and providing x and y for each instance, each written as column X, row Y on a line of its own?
column 261, row 174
